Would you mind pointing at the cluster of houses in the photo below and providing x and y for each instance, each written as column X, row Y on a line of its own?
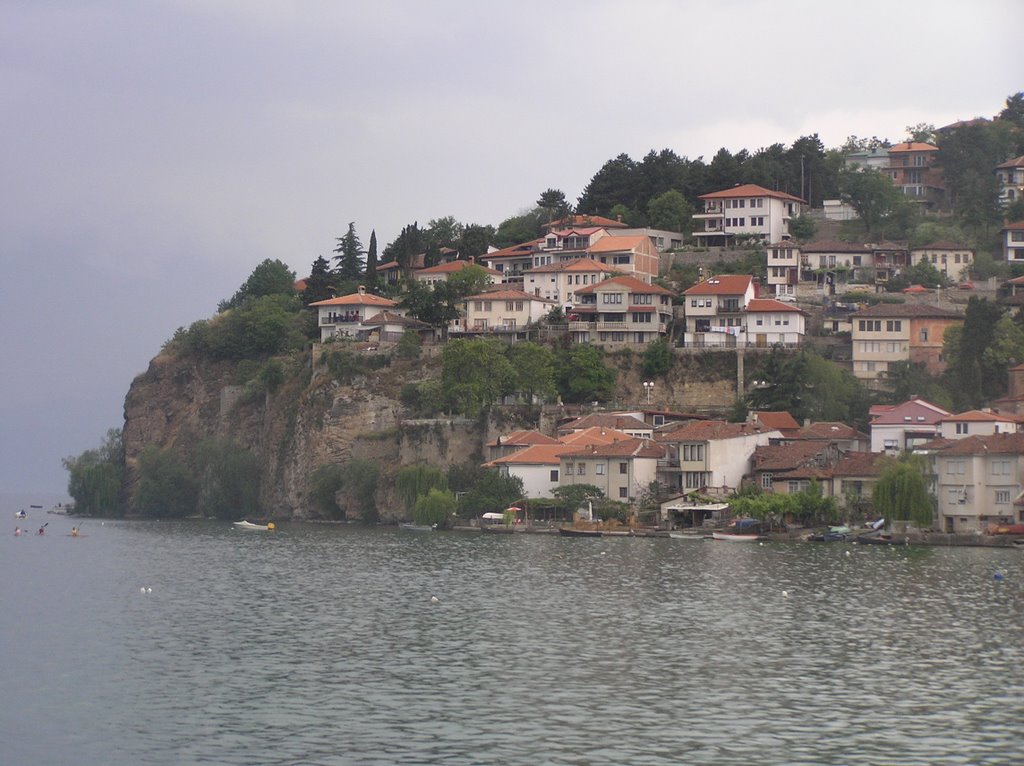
column 976, row 459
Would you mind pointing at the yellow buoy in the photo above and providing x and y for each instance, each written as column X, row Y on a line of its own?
column 271, row 527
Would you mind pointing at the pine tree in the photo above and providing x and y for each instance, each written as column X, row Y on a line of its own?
column 371, row 259
column 350, row 252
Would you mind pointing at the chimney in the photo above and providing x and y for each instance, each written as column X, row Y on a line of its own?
column 362, row 289
column 472, row 259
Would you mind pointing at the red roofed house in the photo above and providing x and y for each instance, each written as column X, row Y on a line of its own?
column 902, row 427
column 509, row 444
column 620, row 311
column 978, row 482
column 622, row 469
column 888, row 333
column 442, row 271
column 745, row 211
column 345, row 315
column 1013, row 242
column 714, row 310
column 503, row 310
column 711, row 455
column 789, row 468
column 783, row 268
column 770, row 322
column 978, row 423
column 559, row 281
column 775, row 420
column 913, row 171
column 1010, row 175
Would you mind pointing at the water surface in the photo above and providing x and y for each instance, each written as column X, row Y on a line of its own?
column 322, row 645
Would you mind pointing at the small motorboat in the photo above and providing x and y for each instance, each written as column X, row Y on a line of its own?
column 736, row 537
column 688, row 536
column 243, row 524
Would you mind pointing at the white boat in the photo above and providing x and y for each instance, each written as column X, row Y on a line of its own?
column 735, row 538
column 687, row 536
column 418, row 527
column 256, row 527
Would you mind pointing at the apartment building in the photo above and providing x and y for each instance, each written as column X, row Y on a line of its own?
column 620, row 311
column 746, row 211
column 888, row 333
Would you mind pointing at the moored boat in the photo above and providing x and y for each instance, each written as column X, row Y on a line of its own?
column 688, row 536
column 417, row 527
column 243, row 524
column 574, row 532
column 736, row 537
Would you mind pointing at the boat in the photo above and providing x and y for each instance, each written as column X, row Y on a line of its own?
column 418, row 527
column 688, row 536
column 574, row 532
column 736, row 537
column 243, row 524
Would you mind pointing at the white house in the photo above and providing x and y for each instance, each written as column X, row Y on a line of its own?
column 951, row 259
column 504, row 310
column 770, row 322
column 1010, row 175
column 783, row 268
column 746, row 211
column 346, row 315
column 902, row 427
column 1013, row 242
column 558, row 282
column 978, row 482
column 977, row 423
column 711, row 455
column 714, row 310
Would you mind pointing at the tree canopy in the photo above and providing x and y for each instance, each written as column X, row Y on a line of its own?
column 271, row 277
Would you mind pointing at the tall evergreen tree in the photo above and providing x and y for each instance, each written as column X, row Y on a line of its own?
column 371, row 259
column 350, row 255
column 320, row 283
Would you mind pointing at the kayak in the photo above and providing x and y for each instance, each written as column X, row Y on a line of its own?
column 249, row 525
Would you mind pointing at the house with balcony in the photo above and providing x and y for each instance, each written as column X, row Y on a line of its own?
column 1013, row 242
column 433, row 275
column 1010, row 176
column 951, row 259
column 513, row 262
column 346, row 315
column 634, row 255
column 913, row 171
column 745, row 211
column 978, row 423
column 888, row 333
column 714, row 310
column 710, row 456
column 622, row 470
column 832, row 264
column 769, row 322
column 978, row 482
column 503, row 311
column 906, row 426
column 559, row 282
column 782, row 268
column 620, row 311
column 888, row 260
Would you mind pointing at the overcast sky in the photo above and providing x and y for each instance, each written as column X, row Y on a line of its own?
column 154, row 152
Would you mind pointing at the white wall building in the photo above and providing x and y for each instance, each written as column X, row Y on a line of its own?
column 746, row 211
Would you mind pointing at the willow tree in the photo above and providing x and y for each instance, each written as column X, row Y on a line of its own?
column 901, row 493
column 416, row 481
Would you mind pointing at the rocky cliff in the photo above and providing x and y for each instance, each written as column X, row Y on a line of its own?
column 312, row 416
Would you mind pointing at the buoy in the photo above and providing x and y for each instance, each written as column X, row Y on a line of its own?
column 847, row 553
column 149, row 590
column 270, row 526
column 604, row 553
column 142, row 589
column 435, row 600
column 998, row 575
column 785, row 594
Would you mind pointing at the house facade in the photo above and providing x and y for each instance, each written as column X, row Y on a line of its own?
column 905, row 426
column 622, row 470
column 978, row 482
column 1010, row 176
column 782, row 268
column 977, row 423
column 1013, row 242
column 620, row 311
column 832, row 264
column 951, row 259
column 888, row 333
column 503, row 311
column 710, row 455
column 746, row 211
column 345, row 315
column 559, row 282
column 714, row 310
column 770, row 322
column 913, row 171
column 442, row 271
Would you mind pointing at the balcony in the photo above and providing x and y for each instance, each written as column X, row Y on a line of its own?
column 582, row 326
column 334, row 319
column 611, row 325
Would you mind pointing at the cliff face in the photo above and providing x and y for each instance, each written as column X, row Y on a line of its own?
column 312, row 419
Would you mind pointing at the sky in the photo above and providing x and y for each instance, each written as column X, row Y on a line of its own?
column 154, row 153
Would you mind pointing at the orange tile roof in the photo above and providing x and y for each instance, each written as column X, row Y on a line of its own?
column 829, row 430
column 975, row 416
column 770, row 304
column 523, row 438
column 912, row 146
column 594, row 435
column 1016, row 162
column 634, row 285
column 727, row 284
column 535, row 454
column 781, row 420
column 998, row 444
column 611, row 244
column 587, row 220
column 643, row 448
column 356, row 299
column 606, row 420
column 749, row 190
column 708, row 430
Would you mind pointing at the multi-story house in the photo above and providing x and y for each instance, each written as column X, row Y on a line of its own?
column 770, row 322
column 1013, row 242
column 512, row 262
column 978, row 423
column 913, row 171
column 888, row 260
column 710, row 455
column 783, row 268
column 714, row 310
column 951, row 259
column 622, row 470
column 853, row 478
column 442, row 271
column 345, row 315
column 902, row 427
column 560, row 281
column 503, row 310
column 746, row 211
column 888, row 333
column 627, row 423
column 634, row 254
column 1011, row 180
column 978, row 482
column 833, row 264
column 873, row 159
column 620, row 310
column 790, row 467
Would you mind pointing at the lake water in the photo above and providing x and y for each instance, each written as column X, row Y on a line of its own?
column 322, row 645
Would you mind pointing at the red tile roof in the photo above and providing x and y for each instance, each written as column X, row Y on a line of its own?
column 781, row 420
column 905, row 311
column 727, row 284
column 784, row 457
column 997, row 444
column 749, row 190
column 575, row 265
column 356, row 299
column 634, row 285
column 770, row 305
column 710, row 430
column 1016, row 162
column 912, row 146
column 643, row 448
column 535, row 454
column 830, row 430
column 587, row 220
column 918, row 411
column 611, row 244
column 606, row 420
column 454, row 266
column 523, row 439
column 975, row 416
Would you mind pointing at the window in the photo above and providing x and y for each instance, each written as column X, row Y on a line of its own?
column 924, row 335
column 766, row 481
column 487, row 305
column 519, row 305
column 798, row 486
column 612, row 298
column 599, row 469
column 623, row 467
column 893, row 325
column 581, row 469
column 623, row 492
column 554, row 475
column 509, row 305
column 693, row 479
column 955, row 467
column 891, row 444
column 1002, row 496
column 642, row 317
column 692, row 452
column 621, row 260
column 869, row 325
column 1000, row 467
column 642, row 300
column 569, row 468
column 961, row 428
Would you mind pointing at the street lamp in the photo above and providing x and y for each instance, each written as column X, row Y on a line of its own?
column 648, row 387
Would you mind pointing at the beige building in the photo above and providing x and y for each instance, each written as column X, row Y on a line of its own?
column 504, row 311
column 715, row 310
column 888, row 333
column 951, row 259
column 978, row 482
column 620, row 311
column 559, row 282
column 622, row 470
